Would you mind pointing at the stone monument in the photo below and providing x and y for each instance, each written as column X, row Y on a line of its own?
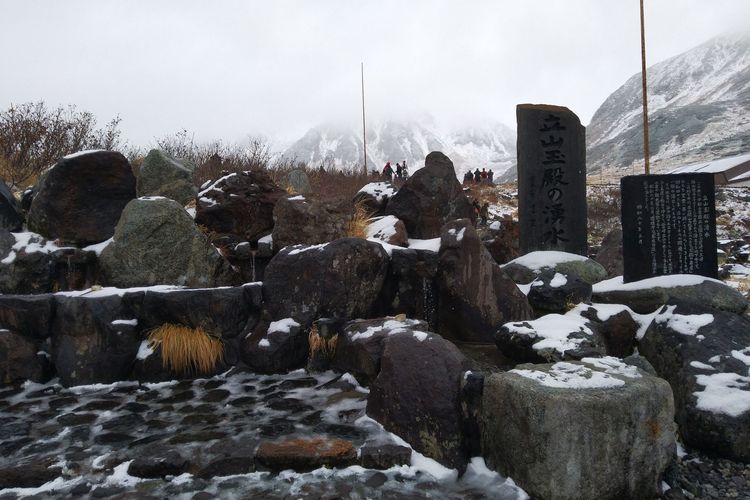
column 551, row 179
column 668, row 225
column 299, row 181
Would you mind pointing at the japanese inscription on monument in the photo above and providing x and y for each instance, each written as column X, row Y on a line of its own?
column 551, row 179
column 668, row 225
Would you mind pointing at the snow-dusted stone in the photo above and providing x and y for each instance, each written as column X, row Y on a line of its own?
column 475, row 295
column 31, row 264
column 429, row 198
column 554, row 292
column 276, row 347
column 81, row 197
column 302, row 221
column 27, row 315
column 553, row 337
column 705, row 355
column 359, row 347
column 159, row 463
column 528, row 267
column 596, row 429
column 10, row 216
column 410, row 287
column 416, row 395
column 94, row 339
column 162, row 175
column 389, row 230
column 340, row 279
column 646, row 296
column 19, row 359
column 617, row 325
column 239, row 204
column 609, row 254
column 503, row 246
column 374, row 197
column 157, row 242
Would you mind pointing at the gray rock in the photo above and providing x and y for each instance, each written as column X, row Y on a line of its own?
column 298, row 181
column 585, row 268
column 711, row 293
column 19, row 360
column 276, row 347
column 431, row 197
column 301, row 221
column 610, row 253
column 553, row 292
column 162, row 175
column 561, row 442
column 28, row 315
column 156, row 242
column 475, row 295
column 417, row 395
column 705, row 355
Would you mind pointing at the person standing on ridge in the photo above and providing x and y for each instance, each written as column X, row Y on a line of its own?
column 404, row 171
column 477, row 176
column 399, row 171
column 388, row 171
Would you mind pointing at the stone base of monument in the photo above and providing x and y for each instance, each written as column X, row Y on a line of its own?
column 594, row 429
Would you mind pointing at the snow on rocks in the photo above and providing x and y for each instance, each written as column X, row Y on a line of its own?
column 526, row 268
column 702, row 352
column 374, row 196
column 539, row 422
column 388, row 229
column 646, row 296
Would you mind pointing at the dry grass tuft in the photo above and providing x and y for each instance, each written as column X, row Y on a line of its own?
column 186, row 350
column 319, row 344
column 360, row 221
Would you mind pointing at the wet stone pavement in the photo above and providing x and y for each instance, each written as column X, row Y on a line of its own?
column 200, row 439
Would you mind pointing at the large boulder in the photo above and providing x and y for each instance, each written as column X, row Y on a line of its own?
column 373, row 197
column 430, row 198
column 475, row 295
column 27, row 315
column 81, row 197
column 94, row 337
column 416, row 395
column 646, row 296
column 597, row 429
column 340, row 279
column 527, row 268
column 359, row 347
column 610, row 253
column 162, row 175
column 156, row 242
column 276, row 347
column 10, row 216
column 388, row 229
column 302, row 221
column 553, row 292
column 705, row 355
column 33, row 264
column 239, row 204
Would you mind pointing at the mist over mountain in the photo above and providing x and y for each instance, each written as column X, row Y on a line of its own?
column 699, row 109
column 486, row 144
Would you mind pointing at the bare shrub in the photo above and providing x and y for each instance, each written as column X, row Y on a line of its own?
column 33, row 137
column 604, row 204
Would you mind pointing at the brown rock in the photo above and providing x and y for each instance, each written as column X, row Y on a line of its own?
column 306, row 454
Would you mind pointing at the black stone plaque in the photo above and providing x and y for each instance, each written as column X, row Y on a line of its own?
column 551, row 179
column 668, row 225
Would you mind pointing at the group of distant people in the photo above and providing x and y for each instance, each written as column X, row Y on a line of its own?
column 401, row 171
column 479, row 177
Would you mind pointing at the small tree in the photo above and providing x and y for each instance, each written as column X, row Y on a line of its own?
column 33, row 137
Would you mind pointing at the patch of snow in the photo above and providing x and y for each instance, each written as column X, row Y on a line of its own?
column 266, row 239
column 459, row 235
column 282, row 326
column 24, row 242
column 152, row 198
column 480, row 476
column 97, row 248
column 536, row 261
column 433, row 245
column 420, row 336
column 51, row 487
column 299, row 197
column 554, row 330
column 213, row 185
column 558, row 281
column 183, row 478
column 81, row 153
column 96, row 292
column 685, row 324
column 144, row 351
column 433, row 468
column 264, row 343
column 133, row 322
column 743, row 355
column 669, row 281
column 121, row 477
column 564, row 375
column 724, row 393
column 495, row 226
column 83, row 389
column 525, row 289
column 190, row 211
column 715, row 359
column 378, row 190
column 382, row 228
column 296, row 249
column 613, row 366
column 701, row 366
column 207, row 201
column 392, row 326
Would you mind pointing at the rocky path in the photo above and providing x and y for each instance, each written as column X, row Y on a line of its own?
column 203, row 439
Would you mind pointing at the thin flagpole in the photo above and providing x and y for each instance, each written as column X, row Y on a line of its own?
column 364, row 131
column 646, row 149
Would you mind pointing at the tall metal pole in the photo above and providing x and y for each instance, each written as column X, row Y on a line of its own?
column 364, row 130
column 646, row 149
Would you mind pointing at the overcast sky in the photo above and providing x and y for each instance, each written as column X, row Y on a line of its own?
column 226, row 69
